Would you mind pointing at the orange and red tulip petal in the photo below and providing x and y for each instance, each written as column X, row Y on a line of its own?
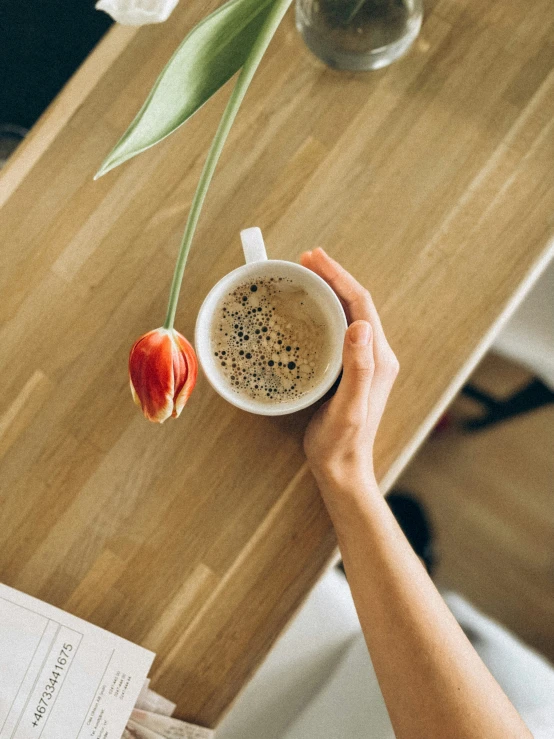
column 160, row 370
column 183, row 391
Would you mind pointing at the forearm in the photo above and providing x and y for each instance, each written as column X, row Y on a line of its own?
column 433, row 681
column 434, row 684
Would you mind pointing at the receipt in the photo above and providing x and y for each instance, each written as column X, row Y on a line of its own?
column 62, row 677
column 149, row 700
column 147, row 725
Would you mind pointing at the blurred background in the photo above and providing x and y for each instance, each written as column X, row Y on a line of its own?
column 489, row 494
column 39, row 51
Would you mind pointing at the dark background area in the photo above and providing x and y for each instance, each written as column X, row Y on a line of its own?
column 42, row 42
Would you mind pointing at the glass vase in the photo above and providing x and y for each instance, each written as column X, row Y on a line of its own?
column 359, row 34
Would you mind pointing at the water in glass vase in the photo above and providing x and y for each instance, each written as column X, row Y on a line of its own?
column 358, row 34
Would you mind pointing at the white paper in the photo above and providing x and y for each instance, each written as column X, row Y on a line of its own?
column 168, row 728
column 134, row 731
column 149, row 700
column 61, row 677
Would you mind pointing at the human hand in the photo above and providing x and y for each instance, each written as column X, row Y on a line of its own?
column 339, row 438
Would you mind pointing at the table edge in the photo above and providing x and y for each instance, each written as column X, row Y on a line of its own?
column 524, row 287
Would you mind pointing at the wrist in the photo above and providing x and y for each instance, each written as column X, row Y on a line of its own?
column 345, row 480
column 346, row 494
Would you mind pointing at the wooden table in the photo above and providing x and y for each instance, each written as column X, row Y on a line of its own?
column 431, row 181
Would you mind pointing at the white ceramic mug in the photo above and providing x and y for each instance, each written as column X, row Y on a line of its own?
column 259, row 266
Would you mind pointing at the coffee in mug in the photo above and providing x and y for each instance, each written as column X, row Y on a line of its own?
column 270, row 340
column 269, row 334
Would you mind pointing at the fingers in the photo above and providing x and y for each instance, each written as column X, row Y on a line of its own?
column 359, row 306
column 357, row 300
column 355, row 297
column 351, row 401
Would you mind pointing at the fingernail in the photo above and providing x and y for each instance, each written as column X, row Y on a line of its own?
column 359, row 332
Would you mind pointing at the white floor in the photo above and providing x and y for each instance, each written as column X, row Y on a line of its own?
column 318, row 681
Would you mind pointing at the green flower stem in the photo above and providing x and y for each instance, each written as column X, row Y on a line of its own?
column 243, row 81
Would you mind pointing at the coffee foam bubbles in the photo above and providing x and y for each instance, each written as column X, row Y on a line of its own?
column 269, row 340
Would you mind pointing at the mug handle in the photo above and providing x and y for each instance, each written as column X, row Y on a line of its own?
column 253, row 245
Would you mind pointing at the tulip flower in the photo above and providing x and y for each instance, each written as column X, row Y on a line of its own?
column 162, row 372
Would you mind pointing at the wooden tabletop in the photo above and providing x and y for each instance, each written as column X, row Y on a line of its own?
column 431, row 181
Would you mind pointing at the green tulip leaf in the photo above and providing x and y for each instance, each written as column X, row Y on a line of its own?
column 208, row 57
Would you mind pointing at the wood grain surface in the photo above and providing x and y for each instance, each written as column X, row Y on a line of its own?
column 431, row 181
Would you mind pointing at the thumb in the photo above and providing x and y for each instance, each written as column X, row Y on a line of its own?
column 352, row 397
